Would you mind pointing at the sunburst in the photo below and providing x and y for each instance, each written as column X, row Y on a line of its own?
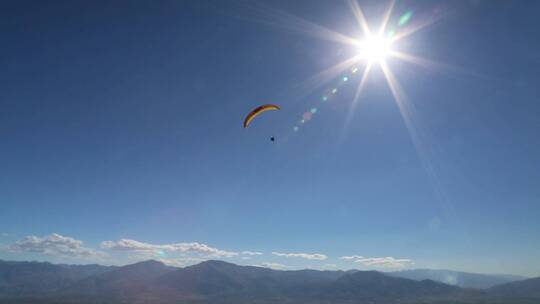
column 373, row 48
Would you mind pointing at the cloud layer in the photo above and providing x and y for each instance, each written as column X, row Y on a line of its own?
column 176, row 254
column 309, row 256
column 387, row 262
column 251, row 253
column 272, row 265
column 199, row 248
column 55, row 245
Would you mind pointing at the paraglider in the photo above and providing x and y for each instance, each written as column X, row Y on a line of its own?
column 257, row 111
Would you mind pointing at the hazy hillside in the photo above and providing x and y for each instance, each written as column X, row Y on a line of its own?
column 372, row 284
column 221, row 282
column 24, row 278
column 528, row 288
column 461, row 279
column 123, row 283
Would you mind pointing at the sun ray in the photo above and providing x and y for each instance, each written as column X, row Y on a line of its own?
column 326, row 75
column 288, row 21
column 399, row 97
column 379, row 44
column 415, row 28
column 357, row 11
column 360, row 86
column 387, row 15
column 354, row 103
column 429, row 64
column 407, row 112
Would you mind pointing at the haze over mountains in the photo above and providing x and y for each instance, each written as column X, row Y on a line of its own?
column 221, row 282
column 458, row 278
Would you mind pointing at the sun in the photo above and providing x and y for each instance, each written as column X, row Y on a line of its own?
column 374, row 48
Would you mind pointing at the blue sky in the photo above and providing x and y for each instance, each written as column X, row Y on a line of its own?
column 121, row 137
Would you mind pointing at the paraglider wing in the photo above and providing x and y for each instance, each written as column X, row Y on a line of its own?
column 257, row 112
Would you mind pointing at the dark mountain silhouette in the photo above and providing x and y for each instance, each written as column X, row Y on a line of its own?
column 461, row 279
column 127, row 280
column 373, row 284
column 24, row 278
column 217, row 278
column 221, row 282
column 529, row 288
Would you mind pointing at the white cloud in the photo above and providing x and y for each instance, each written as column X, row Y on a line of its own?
column 55, row 245
column 326, row 266
column 172, row 262
column 4, row 234
column 386, row 262
column 309, row 256
column 179, row 262
column 251, row 253
column 199, row 248
column 271, row 265
column 351, row 257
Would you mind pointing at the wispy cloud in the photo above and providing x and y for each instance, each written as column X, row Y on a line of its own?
column 271, row 265
column 251, row 253
column 198, row 248
column 179, row 261
column 387, row 262
column 55, row 245
column 309, row 256
column 351, row 257
column 172, row 262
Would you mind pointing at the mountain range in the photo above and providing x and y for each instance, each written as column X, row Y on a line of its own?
column 222, row 282
column 458, row 278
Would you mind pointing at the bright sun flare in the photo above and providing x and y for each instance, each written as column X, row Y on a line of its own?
column 375, row 48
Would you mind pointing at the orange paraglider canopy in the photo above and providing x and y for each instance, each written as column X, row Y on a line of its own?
column 257, row 111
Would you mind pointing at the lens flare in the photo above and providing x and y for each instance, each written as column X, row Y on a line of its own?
column 405, row 18
column 373, row 49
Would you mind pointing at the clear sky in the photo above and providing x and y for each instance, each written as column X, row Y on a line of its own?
column 121, row 135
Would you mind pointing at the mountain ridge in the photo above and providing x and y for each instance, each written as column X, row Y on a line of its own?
column 531, row 287
column 222, row 282
column 458, row 278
